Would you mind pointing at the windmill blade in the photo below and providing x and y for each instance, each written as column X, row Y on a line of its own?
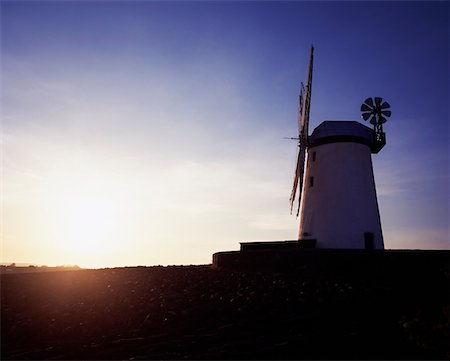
column 366, row 116
column 298, row 171
column 386, row 113
column 385, row 105
column 300, row 109
column 378, row 101
column 305, row 104
column 365, row 108
column 381, row 119
column 369, row 102
column 373, row 120
column 299, row 196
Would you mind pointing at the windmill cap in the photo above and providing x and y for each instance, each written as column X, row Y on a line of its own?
column 331, row 131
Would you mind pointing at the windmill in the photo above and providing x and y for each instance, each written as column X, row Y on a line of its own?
column 335, row 188
column 337, row 200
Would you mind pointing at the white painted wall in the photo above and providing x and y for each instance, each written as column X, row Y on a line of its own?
column 342, row 203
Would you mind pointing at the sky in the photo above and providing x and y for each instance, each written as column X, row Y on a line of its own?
column 151, row 133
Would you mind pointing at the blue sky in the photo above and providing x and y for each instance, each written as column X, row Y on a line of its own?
column 162, row 122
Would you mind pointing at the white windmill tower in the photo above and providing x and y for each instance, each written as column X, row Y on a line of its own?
column 337, row 200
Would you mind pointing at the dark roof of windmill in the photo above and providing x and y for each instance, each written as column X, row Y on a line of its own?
column 341, row 131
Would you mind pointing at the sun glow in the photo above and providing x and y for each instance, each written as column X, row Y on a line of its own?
column 87, row 223
column 86, row 212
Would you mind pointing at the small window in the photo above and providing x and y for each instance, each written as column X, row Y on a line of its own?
column 314, row 156
column 311, row 181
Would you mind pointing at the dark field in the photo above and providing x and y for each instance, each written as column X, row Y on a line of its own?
column 197, row 312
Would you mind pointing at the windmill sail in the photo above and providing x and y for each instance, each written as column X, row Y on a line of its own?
column 300, row 157
column 303, row 122
column 300, row 108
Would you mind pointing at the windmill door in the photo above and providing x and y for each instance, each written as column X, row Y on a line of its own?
column 368, row 240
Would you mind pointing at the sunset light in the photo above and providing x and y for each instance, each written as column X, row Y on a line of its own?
column 86, row 222
column 224, row 180
column 146, row 133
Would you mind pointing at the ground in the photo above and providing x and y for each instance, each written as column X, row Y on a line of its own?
column 198, row 312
